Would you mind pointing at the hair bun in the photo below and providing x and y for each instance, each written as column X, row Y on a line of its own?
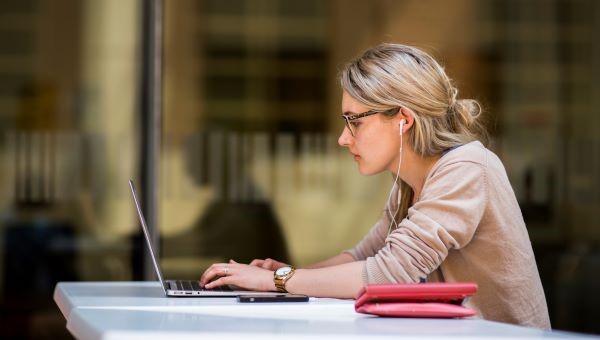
column 468, row 110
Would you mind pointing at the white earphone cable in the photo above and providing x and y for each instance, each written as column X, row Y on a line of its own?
column 399, row 196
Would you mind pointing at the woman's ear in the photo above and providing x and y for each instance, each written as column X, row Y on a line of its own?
column 408, row 116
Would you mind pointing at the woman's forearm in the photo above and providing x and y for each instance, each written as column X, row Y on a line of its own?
column 332, row 261
column 337, row 281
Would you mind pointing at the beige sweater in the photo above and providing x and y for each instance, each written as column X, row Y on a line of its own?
column 466, row 226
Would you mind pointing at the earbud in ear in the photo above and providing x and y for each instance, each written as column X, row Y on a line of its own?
column 402, row 122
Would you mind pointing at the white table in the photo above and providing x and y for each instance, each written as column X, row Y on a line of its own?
column 139, row 310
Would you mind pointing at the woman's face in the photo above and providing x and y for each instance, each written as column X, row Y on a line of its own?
column 376, row 141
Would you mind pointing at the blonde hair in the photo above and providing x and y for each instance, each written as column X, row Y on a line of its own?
column 393, row 75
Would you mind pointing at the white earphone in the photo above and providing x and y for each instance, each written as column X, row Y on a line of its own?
column 398, row 199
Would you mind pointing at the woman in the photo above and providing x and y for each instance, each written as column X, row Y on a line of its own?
column 452, row 215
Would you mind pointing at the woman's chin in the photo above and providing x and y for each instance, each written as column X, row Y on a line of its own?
column 366, row 171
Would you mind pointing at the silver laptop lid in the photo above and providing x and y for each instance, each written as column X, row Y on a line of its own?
column 146, row 234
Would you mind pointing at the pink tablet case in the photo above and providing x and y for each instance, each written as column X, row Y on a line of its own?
column 435, row 300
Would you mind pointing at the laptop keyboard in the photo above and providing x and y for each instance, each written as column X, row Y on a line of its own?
column 194, row 286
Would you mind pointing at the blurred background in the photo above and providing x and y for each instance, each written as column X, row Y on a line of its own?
column 247, row 165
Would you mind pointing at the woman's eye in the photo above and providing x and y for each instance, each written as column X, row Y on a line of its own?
column 355, row 124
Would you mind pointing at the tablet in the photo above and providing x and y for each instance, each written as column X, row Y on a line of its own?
column 442, row 292
column 416, row 310
column 418, row 300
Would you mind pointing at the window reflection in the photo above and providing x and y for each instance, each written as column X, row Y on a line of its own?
column 68, row 87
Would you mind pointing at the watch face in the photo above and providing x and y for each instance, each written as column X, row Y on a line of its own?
column 283, row 271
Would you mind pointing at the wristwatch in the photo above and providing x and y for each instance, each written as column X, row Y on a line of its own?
column 281, row 276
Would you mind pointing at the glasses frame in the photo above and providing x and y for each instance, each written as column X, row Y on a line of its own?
column 349, row 118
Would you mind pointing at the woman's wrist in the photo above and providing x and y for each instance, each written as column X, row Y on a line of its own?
column 291, row 283
column 270, row 282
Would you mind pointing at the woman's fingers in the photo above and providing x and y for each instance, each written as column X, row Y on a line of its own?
column 243, row 276
column 217, row 269
column 207, row 272
column 267, row 264
column 271, row 264
column 203, row 275
column 257, row 262
column 256, row 276
column 225, row 280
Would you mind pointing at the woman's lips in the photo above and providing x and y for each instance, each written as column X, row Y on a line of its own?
column 356, row 157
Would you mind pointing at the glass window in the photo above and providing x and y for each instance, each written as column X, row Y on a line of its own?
column 251, row 167
column 68, row 127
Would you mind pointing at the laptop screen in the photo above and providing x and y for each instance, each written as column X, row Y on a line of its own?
column 146, row 233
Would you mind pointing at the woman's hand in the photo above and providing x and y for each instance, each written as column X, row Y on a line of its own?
column 237, row 274
column 269, row 264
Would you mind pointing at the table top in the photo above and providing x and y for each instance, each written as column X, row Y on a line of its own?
column 117, row 310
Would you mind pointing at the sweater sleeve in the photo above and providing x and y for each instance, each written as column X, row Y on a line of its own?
column 451, row 206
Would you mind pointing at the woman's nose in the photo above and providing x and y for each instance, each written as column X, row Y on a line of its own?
column 345, row 138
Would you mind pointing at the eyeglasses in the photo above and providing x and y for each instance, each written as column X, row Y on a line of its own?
column 349, row 118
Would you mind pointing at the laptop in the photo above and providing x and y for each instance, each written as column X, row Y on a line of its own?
column 183, row 288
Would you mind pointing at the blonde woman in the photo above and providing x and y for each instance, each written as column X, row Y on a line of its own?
column 451, row 216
